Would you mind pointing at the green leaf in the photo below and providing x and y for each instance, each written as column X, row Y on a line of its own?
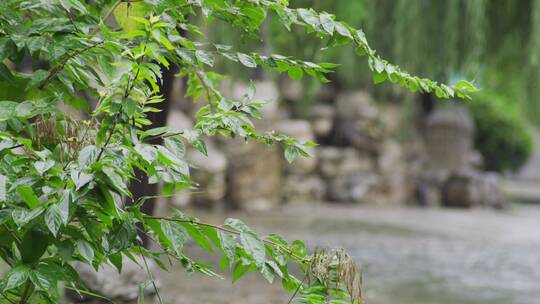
column 54, row 218
column 327, row 22
column 247, row 60
column 81, row 179
column 64, row 206
column 267, row 273
column 228, row 245
column 309, row 17
column 37, row 78
column 33, row 244
column 176, row 235
column 3, row 193
column 197, row 236
column 379, row 77
column 116, row 260
column 85, row 250
column 255, row 13
column 291, row 153
column 14, row 278
column 7, row 110
column 43, row 166
column 128, row 15
column 23, row 216
column 122, row 235
column 238, row 271
column 360, row 51
column 254, row 246
column 205, row 57
column 28, row 196
column 5, row 74
column 342, row 30
column 200, row 145
column 65, row 250
column 295, row 73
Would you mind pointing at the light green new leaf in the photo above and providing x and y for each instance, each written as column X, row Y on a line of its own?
column 28, row 196
column 130, row 15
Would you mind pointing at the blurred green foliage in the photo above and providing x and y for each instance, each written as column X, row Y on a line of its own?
column 502, row 136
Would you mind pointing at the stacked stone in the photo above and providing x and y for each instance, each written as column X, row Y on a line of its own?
column 358, row 160
column 450, row 177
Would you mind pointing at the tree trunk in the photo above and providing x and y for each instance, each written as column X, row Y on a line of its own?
column 140, row 186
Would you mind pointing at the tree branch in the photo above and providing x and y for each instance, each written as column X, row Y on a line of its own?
column 231, row 231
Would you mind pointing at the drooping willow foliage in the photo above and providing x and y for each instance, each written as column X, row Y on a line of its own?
column 497, row 43
column 451, row 32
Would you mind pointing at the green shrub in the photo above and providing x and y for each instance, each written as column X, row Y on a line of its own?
column 502, row 135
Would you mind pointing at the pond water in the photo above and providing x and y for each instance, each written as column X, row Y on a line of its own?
column 420, row 256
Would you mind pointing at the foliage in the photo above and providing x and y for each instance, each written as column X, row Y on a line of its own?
column 502, row 137
column 64, row 182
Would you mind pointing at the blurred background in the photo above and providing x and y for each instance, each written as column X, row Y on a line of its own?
column 439, row 201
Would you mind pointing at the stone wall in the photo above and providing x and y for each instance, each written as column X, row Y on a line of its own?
column 359, row 159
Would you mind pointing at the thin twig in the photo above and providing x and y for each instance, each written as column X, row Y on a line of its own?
column 206, row 89
column 151, row 276
column 57, row 69
column 16, row 146
column 17, row 240
column 68, row 13
column 106, row 16
column 129, row 87
column 297, row 289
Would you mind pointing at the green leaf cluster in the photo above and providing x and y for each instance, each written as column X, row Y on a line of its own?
column 64, row 182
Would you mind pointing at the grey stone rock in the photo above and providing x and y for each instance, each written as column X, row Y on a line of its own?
column 322, row 120
column 391, row 187
column 350, row 188
column 449, row 137
column 291, row 90
column 472, row 189
column 348, row 173
column 335, row 161
column 209, row 174
column 357, row 122
column 254, row 175
column 299, row 188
